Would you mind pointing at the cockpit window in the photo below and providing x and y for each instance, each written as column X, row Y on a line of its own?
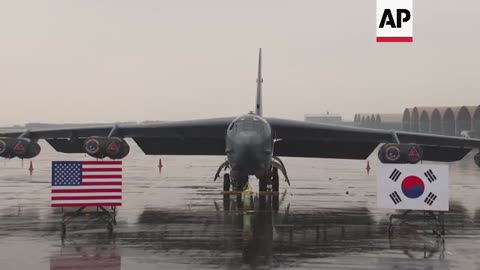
column 249, row 124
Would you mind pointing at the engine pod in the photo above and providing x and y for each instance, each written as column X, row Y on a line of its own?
column 117, row 148
column 18, row 147
column 33, row 149
column 3, row 147
column 400, row 153
column 101, row 147
column 476, row 158
column 92, row 146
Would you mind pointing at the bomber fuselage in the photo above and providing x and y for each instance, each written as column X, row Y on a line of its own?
column 249, row 146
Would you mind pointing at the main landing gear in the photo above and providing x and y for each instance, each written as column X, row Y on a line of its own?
column 238, row 186
column 226, row 182
column 269, row 185
column 271, row 180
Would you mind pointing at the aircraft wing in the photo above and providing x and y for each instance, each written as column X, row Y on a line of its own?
column 294, row 139
column 194, row 137
column 307, row 139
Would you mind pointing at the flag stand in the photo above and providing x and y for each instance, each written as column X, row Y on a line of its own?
column 430, row 248
column 437, row 218
column 101, row 213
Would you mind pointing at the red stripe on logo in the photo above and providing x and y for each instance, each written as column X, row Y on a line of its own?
column 102, row 184
column 102, row 162
column 102, row 169
column 86, row 190
column 394, row 39
column 87, row 198
column 84, row 204
column 107, row 176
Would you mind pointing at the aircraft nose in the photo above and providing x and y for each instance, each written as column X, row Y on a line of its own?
column 249, row 148
column 248, row 143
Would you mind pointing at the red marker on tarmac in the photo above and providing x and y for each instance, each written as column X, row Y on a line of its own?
column 31, row 167
column 160, row 165
column 368, row 167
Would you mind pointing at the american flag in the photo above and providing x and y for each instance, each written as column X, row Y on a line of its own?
column 86, row 183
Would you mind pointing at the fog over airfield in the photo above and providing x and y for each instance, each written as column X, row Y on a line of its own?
column 102, row 61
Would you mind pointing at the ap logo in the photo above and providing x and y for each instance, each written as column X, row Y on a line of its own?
column 394, row 20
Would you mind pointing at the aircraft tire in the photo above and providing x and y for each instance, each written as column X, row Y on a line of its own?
column 275, row 203
column 226, row 202
column 262, row 185
column 275, row 180
column 226, row 182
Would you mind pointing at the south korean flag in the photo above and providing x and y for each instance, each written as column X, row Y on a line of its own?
column 413, row 187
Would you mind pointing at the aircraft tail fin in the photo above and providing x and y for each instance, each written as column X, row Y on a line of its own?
column 259, row 105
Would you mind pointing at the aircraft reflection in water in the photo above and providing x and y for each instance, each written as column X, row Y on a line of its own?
column 232, row 237
column 266, row 237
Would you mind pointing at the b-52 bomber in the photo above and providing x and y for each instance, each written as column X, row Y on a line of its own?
column 253, row 144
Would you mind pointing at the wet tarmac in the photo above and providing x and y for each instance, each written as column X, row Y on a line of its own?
column 327, row 219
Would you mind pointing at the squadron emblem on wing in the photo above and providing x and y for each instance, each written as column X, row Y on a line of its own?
column 392, row 153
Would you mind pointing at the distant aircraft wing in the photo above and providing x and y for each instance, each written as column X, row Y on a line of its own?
column 307, row 139
column 195, row 137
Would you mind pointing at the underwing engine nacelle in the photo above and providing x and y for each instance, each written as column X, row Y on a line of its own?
column 19, row 147
column 400, row 153
column 476, row 158
column 101, row 147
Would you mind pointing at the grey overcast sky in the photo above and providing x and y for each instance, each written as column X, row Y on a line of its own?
column 101, row 61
